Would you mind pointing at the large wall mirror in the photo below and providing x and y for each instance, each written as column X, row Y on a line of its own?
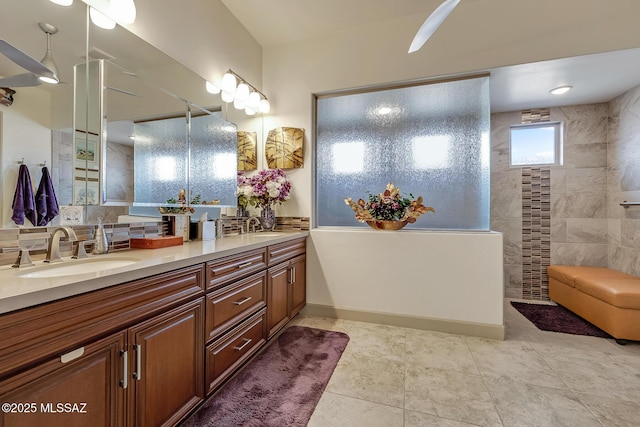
column 140, row 85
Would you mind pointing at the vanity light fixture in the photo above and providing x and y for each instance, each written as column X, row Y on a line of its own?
column 102, row 21
column 106, row 13
column 244, row 95
column 560, row 90
column 62, row 2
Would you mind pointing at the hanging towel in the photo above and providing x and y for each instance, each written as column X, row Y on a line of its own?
column 24, row 203
column 46, row 201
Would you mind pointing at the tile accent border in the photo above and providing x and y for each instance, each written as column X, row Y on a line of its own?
column 482, row 330
column 536, row 232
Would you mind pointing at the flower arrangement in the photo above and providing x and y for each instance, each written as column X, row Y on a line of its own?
column 263, row 189
column 388, row 206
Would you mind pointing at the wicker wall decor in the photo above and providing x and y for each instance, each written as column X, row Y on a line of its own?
column 283, row 148
column 247, row 151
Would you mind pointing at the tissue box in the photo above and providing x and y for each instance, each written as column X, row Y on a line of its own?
column 203, row 230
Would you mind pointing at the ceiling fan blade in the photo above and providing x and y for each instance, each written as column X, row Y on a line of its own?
column 24, row 60
column 20, row 80
column 432, row 23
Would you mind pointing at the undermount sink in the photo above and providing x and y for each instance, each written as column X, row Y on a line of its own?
column 71, row 268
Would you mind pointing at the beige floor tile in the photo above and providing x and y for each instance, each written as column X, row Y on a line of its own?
column 616, row 377
column 335, row 410
column 612, row 412
column 523, row 405
column 453, row 395
column 438, row 350
column 417, row 419
column 369, row 378
column 515, row 360
column 385, row 342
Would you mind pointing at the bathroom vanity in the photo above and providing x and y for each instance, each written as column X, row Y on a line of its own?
column 152, row 339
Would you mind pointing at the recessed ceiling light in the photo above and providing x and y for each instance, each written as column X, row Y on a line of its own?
column 560, row 90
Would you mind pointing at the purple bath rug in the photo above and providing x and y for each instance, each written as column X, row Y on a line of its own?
column 556, row 318
column 281, row 386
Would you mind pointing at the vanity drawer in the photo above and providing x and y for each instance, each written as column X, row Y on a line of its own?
column 228, row 353
column 230, row 304
column 228, row 269
column 287, row 250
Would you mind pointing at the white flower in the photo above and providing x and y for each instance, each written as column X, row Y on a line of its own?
column 273, row 192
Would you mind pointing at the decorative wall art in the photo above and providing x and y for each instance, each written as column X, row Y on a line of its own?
column 283, row 148
column 247, row 151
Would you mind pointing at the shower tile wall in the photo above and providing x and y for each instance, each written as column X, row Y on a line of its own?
column 578, row 194
column 624, row 182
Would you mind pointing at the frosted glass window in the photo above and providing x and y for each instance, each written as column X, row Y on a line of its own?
column 536, row 144
column 213, row 159
column 430, row 140
column 160, row 163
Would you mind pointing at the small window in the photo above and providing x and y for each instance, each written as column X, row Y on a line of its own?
column 536, row 144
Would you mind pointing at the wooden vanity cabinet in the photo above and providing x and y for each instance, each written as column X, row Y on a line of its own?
column 167, row 366
column 147, row 371
column 90, row 386
column 286, row 283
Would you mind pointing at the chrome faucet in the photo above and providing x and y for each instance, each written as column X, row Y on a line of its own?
column 53, row 251
column 251, row 228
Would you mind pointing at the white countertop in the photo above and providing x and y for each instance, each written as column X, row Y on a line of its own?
column 19, row 292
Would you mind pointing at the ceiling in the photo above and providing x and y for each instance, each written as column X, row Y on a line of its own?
column 595, row 78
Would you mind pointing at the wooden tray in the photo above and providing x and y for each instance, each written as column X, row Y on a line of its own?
column 155, row 242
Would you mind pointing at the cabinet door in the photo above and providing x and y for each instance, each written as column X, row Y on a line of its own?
column 168, row 367
column 81, row 388
column 277, row 297
column 298, row 290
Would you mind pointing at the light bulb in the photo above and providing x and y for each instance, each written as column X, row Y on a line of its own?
column 123, row 11
column 100, row 20
column 211, row 88
column 254, row 101
column 62, row 2
column 226, row 97
column 238, row 104
column 265, row 106
column 229, row 83
column 242, row 93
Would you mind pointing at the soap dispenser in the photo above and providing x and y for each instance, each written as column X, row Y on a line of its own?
column 102, row 245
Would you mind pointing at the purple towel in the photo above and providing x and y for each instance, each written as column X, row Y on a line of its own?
column 24, row 203
column 46, row 201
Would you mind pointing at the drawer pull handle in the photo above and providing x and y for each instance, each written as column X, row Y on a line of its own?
column 138, row 374
column 246, row 264
column 125, row 369
column 246, row 343
column 293, row 275
column 242, row 301
column 72, row 355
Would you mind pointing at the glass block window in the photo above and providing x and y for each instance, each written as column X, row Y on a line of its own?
column 430, row 140
column 536, row 144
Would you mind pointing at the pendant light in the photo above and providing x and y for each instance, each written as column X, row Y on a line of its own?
column 123, row 11
column 48, row 61
column 211, row 88
column 265, row 106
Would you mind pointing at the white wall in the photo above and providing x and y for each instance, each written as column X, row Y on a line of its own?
column 26, row 134
column 427, row 274
column 201, row 34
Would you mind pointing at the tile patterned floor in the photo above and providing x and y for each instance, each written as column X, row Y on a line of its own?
column 392, row 376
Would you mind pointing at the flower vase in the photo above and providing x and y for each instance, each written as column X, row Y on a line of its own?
column 242, row 212
column 267, row 218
